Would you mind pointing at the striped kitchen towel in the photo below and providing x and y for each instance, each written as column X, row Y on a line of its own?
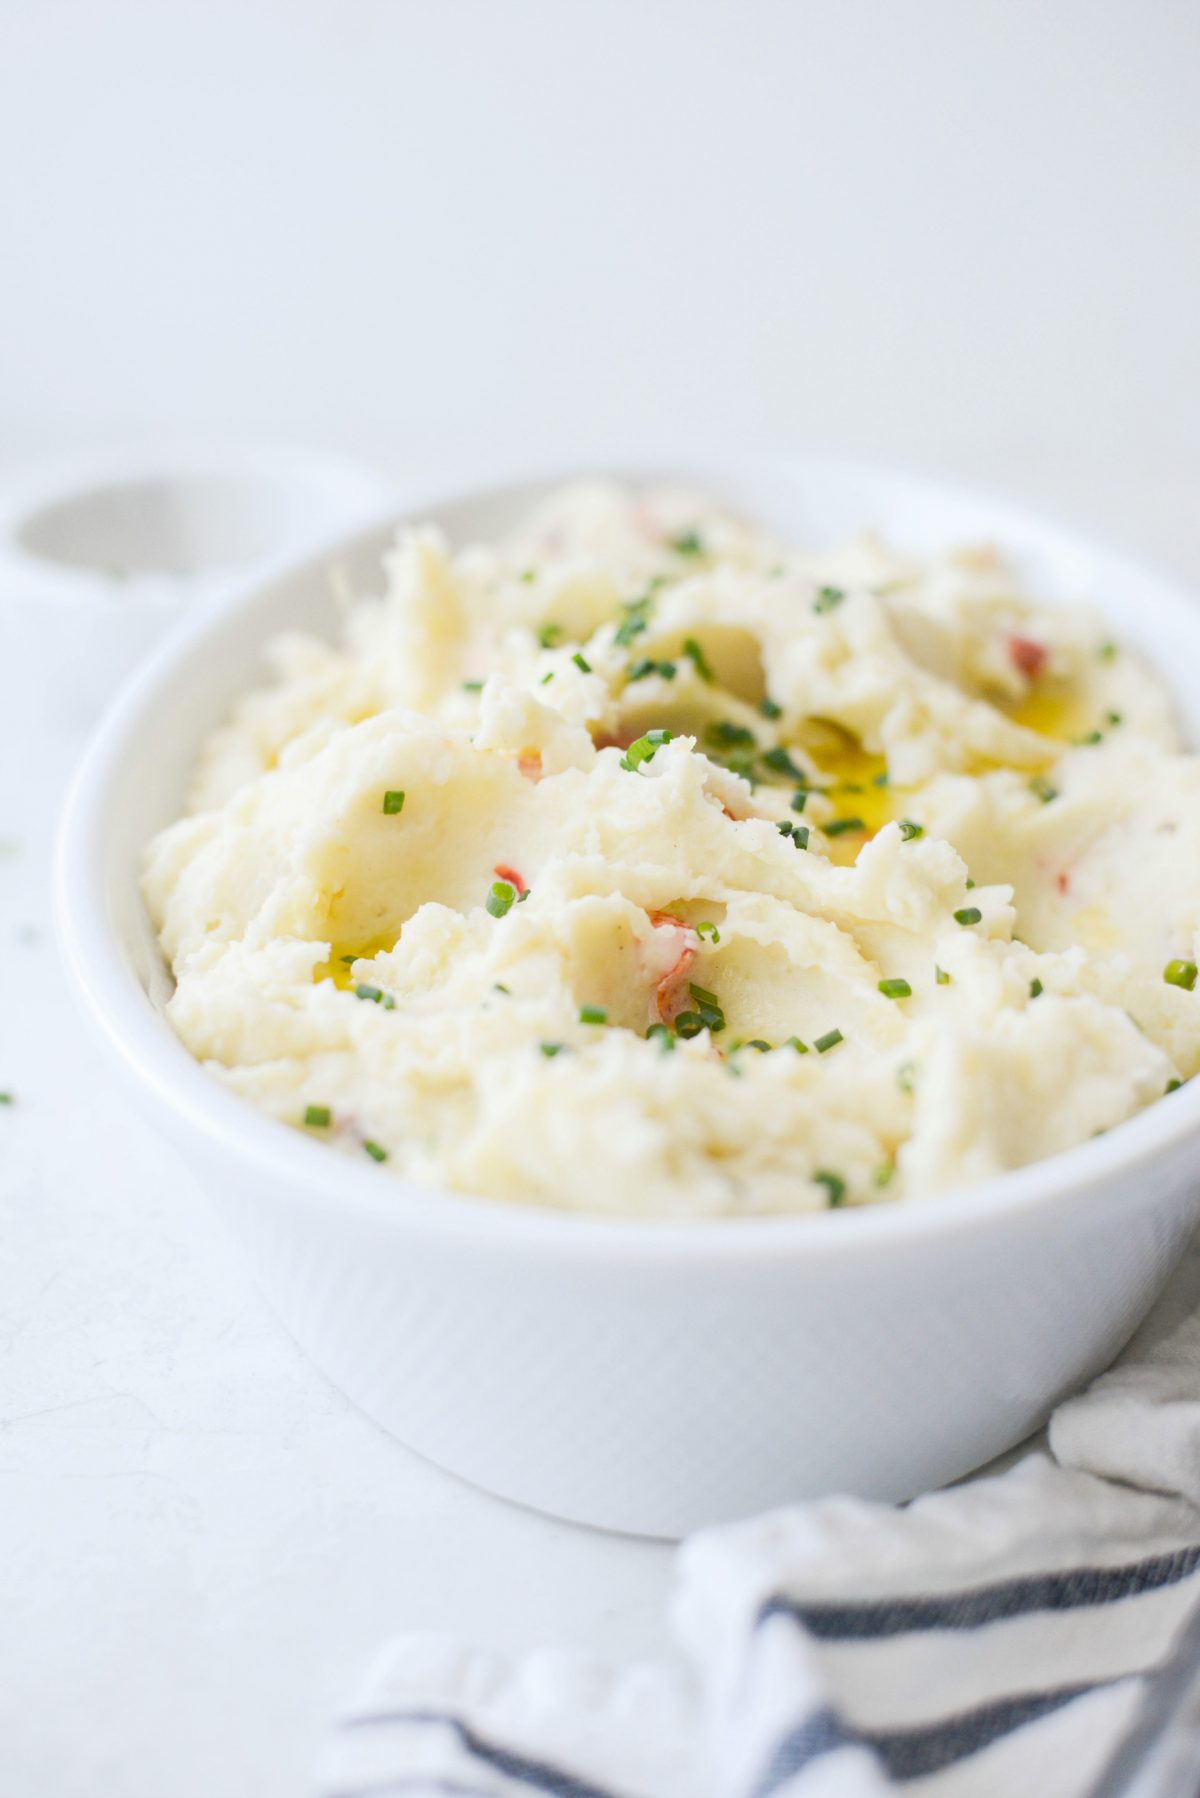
column 1028, row 1633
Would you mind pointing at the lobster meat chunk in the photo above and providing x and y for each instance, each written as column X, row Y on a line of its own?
column 670, row 991
column 1027, row 657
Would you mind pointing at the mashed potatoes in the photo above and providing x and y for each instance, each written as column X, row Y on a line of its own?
column 643, row 864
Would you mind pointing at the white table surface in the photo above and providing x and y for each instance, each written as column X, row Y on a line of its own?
column 203, row 1542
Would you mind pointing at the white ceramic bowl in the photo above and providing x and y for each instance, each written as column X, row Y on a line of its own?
column 646, row 1377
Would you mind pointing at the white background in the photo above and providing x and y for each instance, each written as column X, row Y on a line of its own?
column 959, row 235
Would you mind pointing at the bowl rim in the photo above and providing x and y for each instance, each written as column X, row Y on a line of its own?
column 157, row 1063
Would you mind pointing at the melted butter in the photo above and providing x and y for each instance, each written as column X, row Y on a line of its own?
column 1056, row 710
column 851, row 776
column 338, row 967
column 1052, row 709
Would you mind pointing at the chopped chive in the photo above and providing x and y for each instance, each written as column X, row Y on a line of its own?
column 768, row 708
column 708, row 1006
column 688, row 544
column 799, row 799
column 499, row 987
column 500, row 897
column 593, row 1014
column 688, row 1024
column 970, row 914
column 640, row 669
column 546, row 678
column 472, row 686
column 644, row 749
column 698, row 659
column 904, row 1076
column 393, row 802
column 664, row 1036
column 1172, row 1086
column 1036, row 989
column 708, row 929
column 550, row 1050
column 376, row 1151
column 793, row 1042
column 830, row 1040
column 851, row 786
column 834, row 1185
column 827, row 598
column 348, row 960
column 549, row 635
column 800, row 836
column 784, row 827
column 318, row 1117
column 1113, row 718
column 756, row 1042
column 7, row 1099
column 727, row 735
column 1180, row 973
column 635, row 618
column 970, row 883
column 880, row 780
column 940, row 975
column 895, row 989
column 1107, row 652
column 742, row 762
column 1040, row 786
column 838, row 827
column 527, row 574
column 1091, row 737
column 583, row 666
column 375, row 995
column 884, row 1174
column 909, row 830
column 781, row 762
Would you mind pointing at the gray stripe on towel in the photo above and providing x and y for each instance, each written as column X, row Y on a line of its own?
column 987, row 1604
